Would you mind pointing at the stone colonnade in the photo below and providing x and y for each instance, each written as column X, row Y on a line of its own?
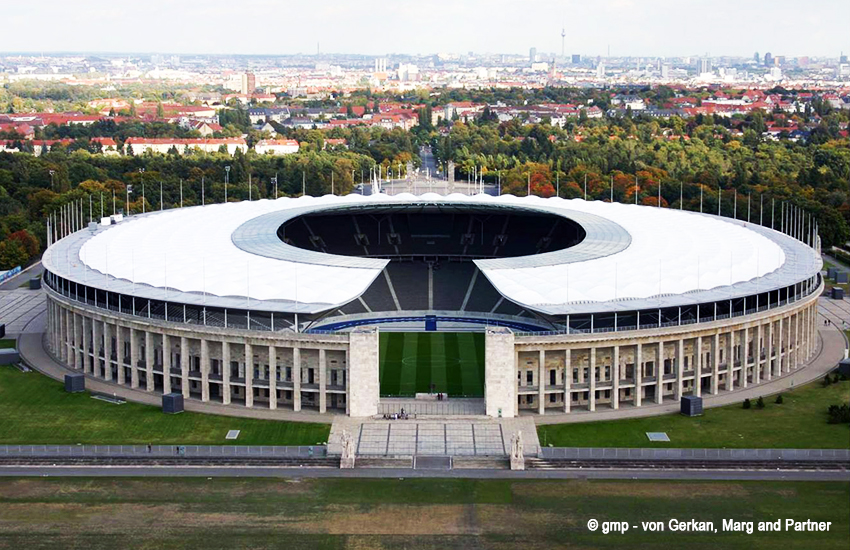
column 249, row 368
column 585, row 372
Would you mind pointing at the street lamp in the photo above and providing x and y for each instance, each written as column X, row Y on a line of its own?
column 226, row 181
column 142, row 181
column 51, row 178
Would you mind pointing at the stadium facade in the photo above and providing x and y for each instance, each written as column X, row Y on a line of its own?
column 585, row 305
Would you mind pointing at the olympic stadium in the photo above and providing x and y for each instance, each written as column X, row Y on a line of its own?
column 510, row 305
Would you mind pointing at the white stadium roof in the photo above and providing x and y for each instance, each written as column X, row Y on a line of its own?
column 630, row 253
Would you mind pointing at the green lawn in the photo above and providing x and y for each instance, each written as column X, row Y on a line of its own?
column 444, row 514
column 6, row 343
column 800, row 422
column 412, row 361
column 35, row 409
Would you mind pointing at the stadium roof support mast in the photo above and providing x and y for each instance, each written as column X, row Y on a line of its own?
column 585, row 186
column 700, row 198
column 226, row 181
column 203, row 198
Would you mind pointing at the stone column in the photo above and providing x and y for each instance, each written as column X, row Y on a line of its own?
column 205, row 370
column 75, row 349
column 225, row 373
column 85, row 327
column 591, row 398
column 272, row 377
column 166, row 364
column 745, row 359
column 184, row 367
column 106, row 330
column 638, row 374
column 779, row 354
column 296, row 383
column 149, row 357
column 119, row 354
column 500, row 373
column 99, row 344
column 659, row 374
column 64, row 353
column 788, row 356
column 757, row 352
column 363, row 381
column 541, row 382
column 323, row 383
column 568, row 379
column 615, row 374
column 768, row 351
column 730, row 360
column 680, row 368
column 134, row 359
column 715, row 363
column 249, row 375
column 698, row 366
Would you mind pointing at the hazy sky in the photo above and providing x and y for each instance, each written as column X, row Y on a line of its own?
column 631, row 27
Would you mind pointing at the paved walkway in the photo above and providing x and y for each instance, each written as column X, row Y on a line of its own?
column 19, row 307
column 35, row 270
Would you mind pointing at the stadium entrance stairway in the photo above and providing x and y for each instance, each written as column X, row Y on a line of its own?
column 470, row 437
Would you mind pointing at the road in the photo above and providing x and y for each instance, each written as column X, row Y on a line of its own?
column 35, row 270
column 247, row 471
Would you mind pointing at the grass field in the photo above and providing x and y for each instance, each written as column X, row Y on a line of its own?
column 412, row 361
column 6, row 343
column 35, row 409
column 798, row 423
column 406, row 514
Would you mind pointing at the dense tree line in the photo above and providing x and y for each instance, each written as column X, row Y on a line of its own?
column 29, row 192
column 680, row 156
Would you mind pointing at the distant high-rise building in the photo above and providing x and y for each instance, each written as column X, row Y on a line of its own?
column 665, row 71
column 843, row 58
column 381, row 65
column 576, row 59
column 704, row 66
column 249, row 83
column 532, row 55
column 768, row 59
column 600, row 70
column 756, row 58
column 779, row 60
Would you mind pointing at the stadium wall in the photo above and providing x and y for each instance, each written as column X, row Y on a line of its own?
column 338, row 372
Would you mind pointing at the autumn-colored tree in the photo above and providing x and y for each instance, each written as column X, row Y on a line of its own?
column 27, row 240
column 12, row 254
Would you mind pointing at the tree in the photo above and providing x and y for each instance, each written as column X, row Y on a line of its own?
column 747, row 404
column 12, row 254
column 375, row 107
column 132, row 109
column 28, row 241
column 760, row 402
column 160, row 110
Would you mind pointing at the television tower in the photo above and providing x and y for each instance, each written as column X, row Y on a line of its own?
column 563, row 35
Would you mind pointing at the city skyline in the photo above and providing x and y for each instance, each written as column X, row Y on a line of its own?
column 628, row 27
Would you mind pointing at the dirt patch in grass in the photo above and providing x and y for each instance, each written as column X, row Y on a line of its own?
column 637, row 490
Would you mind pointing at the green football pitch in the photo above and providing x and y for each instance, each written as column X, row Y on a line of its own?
column 452, row 361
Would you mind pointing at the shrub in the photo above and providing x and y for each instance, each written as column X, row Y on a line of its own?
column 747, row 404
column 779, row 399
column 839, row 414
column 760, row 402
column 835, row 379
column 827, row 380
